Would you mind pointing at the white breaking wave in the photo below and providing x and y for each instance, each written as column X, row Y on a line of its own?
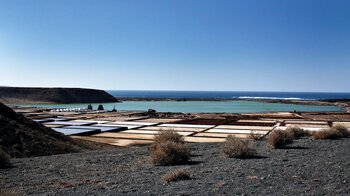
column 288, row 98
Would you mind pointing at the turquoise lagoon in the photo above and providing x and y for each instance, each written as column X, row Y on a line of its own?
column 200, row 106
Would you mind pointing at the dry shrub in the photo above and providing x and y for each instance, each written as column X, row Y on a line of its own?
column 325, row 134
column 342, row 131
column 170, row 153
column 298, row 132
column 238, row 148
column 254, row 135
column 279, row 138
column 168, row 136
column 169, row 148
column 335, row 132
column 177, row 175
column 6, row 193
column 4, row 160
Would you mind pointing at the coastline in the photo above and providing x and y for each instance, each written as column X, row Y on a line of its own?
column 344, row 104
column 125, row 132
column 45, row 95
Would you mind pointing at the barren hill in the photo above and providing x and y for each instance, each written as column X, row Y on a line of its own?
column 23, row 95
column 22, row 137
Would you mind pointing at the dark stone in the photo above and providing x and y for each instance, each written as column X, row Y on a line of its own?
column 100, row 107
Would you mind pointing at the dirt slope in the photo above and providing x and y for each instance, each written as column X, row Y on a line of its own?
column 22, row 137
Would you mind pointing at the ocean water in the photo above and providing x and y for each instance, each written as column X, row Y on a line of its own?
column 200, row 106
column 229, row 106
column 228, row 94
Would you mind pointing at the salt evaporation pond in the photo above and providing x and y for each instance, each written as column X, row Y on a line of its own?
column 200, row 106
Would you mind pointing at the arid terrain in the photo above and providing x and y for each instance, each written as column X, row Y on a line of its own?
column 307, row 167
column 115, row 158
column 227, row 97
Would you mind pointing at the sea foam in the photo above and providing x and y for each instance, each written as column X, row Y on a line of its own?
column 282, row 98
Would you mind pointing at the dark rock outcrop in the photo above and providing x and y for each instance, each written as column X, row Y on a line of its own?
column 22, row 95
column 22, row 137
column 4, row 160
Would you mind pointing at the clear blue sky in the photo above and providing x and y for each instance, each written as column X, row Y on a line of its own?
column 265, row 45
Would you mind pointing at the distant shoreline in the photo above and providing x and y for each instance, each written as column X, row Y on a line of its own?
column 342, row 103
column 37, row 95
column 296, row 101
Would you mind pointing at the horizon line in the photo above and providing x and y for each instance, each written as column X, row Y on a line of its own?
column 268, row 91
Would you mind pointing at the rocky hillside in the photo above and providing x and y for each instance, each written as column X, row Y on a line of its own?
column 22, row 95
column 22, row 137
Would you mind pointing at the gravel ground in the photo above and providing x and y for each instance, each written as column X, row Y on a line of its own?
column 307, row 167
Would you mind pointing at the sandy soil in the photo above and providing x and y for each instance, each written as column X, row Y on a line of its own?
column 307, row 167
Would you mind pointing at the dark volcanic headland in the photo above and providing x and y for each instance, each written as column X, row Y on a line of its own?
column 23, row 95
column 22, row 137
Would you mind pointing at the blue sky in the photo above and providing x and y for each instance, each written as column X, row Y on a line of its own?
column 249, row 45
